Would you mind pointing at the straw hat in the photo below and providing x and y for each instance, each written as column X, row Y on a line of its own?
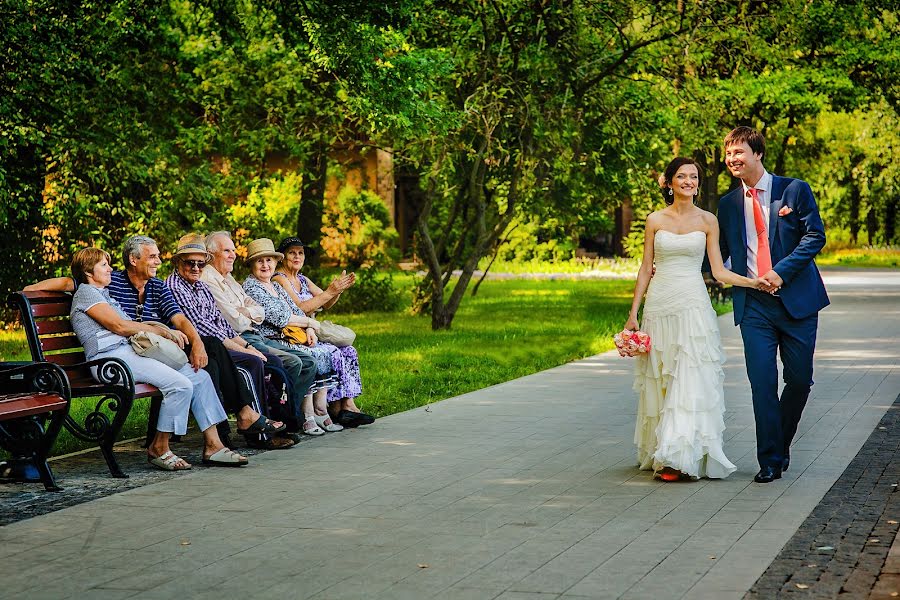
column 192, row 243
column 260, row 248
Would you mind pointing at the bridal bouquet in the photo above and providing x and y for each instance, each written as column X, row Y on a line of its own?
column 632, row 343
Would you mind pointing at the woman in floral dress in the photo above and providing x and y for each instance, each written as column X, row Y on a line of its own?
column 308, row 297
column 281, row 312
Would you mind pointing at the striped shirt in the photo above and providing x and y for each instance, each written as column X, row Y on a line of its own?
column 199, row 306
column 159, row 304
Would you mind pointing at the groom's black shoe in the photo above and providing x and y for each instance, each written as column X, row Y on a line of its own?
column 785, row 463
column 767, row 475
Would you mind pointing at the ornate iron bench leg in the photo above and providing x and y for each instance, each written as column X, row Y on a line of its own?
column 103, row 432
column 54, row 424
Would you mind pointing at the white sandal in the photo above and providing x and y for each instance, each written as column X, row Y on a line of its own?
column 310, row 427
column 225, row 458
column 168, row 461
column 327, row 423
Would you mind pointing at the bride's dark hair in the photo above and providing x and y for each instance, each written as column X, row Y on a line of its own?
column 665, row 180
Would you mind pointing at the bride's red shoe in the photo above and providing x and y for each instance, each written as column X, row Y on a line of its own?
column 670, row 474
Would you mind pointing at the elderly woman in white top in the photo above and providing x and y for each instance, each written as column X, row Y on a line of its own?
column 103, row 329
column 281, row 312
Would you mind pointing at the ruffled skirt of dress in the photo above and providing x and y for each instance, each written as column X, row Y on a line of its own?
column 680, row 422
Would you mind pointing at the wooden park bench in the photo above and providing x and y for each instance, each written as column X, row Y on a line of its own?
column 34, row 403
column 45, row 317
column 718, row 291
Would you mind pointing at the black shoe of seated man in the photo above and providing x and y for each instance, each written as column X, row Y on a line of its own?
column 767, row 475
column 289, row 435
column 349, row 418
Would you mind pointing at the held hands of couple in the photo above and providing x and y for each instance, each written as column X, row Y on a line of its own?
column 770, row 283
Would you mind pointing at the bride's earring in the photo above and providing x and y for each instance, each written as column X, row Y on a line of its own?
column 670, row 191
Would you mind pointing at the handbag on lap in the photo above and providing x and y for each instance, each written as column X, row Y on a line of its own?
column 338, row 335
column 157, row 347
column 294, row 334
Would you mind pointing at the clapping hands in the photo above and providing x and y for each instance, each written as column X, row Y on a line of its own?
column 342, row 282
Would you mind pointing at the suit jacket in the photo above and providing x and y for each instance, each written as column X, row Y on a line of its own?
column 794, row 241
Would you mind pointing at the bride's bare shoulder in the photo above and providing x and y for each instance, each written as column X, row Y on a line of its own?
column 655, row 217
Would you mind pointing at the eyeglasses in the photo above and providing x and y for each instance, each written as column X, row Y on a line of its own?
column 138, row 312
column 194, row 264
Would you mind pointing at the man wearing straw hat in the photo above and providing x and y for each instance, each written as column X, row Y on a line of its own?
column 239, row 395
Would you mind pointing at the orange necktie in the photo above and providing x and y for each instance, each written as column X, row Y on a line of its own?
column 763, row 256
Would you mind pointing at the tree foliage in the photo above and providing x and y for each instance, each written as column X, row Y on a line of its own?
column 516, row 117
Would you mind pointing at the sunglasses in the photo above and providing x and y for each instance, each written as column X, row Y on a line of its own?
column 138, row 312
column 194, row 264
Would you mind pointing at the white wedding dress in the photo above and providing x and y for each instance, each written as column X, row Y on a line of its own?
column 680, row 412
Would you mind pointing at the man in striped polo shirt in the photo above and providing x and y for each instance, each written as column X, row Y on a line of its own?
column 145, row 297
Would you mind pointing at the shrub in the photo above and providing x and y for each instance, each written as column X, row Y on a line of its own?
column 373, row 291
column 357, row 230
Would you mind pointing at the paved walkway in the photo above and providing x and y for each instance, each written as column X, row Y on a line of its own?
column 525, row 490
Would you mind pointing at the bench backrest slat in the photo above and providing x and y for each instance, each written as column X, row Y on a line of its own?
column 59, row 342
column 51, row 309
column 51, row 326
column 67, row 359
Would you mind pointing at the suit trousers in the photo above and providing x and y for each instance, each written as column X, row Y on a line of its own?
column 301, row 366
column 768, row 329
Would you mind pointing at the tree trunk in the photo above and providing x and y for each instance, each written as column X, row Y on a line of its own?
column 872, row 226
column 23, row 219
column 890, row 220
column 854, row 212
column 709, row 187
column 312, row 201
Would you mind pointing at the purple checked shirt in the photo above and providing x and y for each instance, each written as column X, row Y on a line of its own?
column 199, row 306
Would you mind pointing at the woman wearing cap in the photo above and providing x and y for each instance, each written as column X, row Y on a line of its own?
column 103, row 329
column 281, row 312
column 309, row 298
column 225, row 348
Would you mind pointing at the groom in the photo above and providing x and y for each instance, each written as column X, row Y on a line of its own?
column 771, row 230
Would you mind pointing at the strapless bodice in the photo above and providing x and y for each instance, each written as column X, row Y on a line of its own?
column 677, row 283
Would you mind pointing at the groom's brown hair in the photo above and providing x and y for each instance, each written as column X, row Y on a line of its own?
column 753, row 138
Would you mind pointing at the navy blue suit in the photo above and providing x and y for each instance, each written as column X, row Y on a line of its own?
column 786, row 322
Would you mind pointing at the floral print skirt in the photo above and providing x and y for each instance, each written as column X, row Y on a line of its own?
column 346, row 366
column 326, row 375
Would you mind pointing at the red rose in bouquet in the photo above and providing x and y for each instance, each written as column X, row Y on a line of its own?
column 632, row 343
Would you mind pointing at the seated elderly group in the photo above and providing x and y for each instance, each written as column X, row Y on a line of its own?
column 226, row 330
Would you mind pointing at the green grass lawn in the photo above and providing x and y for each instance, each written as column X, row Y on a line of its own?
column 887, row 258
column 510, row 329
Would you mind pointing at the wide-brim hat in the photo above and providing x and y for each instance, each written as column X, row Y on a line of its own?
column 295, row 241
column 261, row 248
column 192, row 243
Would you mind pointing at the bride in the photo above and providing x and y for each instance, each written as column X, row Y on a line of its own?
column 680, row 412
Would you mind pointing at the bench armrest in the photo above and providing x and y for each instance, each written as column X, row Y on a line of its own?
column 111, row 371
column 34, row 377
